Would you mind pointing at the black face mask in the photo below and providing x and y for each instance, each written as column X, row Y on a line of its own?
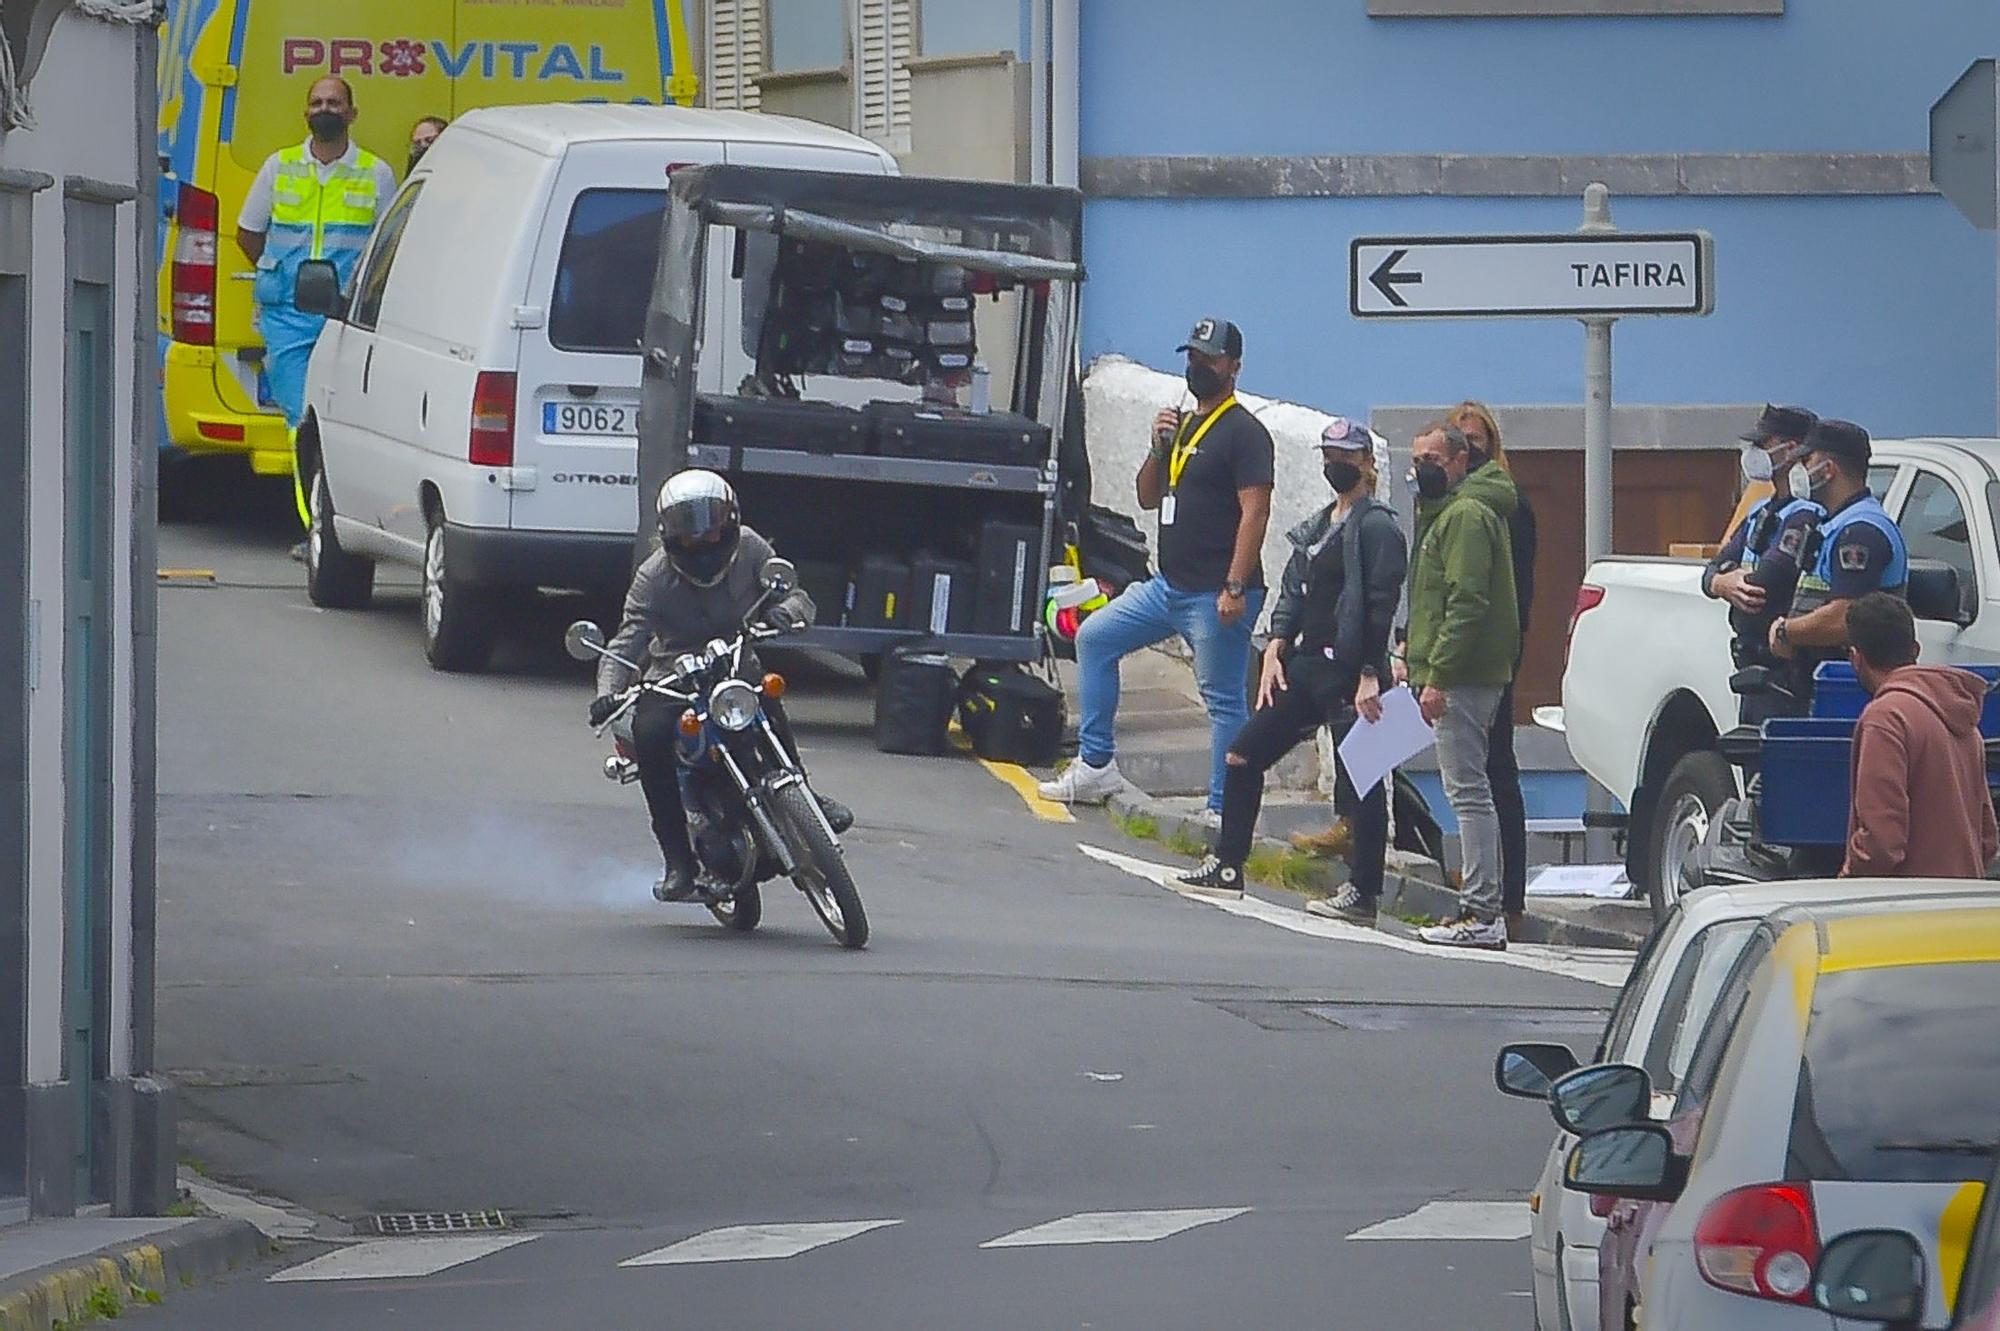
column 417, row 154
column 1203, row 381
column 1341, row 475
column 1432, row 481
column 327, row 126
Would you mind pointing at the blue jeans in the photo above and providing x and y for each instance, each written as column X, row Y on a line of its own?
column 1150, row 612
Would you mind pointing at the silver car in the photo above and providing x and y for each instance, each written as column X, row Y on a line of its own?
column 1848, row 1080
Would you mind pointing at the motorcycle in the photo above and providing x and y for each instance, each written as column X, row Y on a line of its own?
column 752, row 815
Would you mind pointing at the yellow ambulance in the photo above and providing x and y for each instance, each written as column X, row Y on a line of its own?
column 233, row 81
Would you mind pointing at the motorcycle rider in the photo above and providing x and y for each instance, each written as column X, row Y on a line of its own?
column 696, row 587
column 1757, row 570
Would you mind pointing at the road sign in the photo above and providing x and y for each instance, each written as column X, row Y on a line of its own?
column 1569, row 275
column 1963, row 130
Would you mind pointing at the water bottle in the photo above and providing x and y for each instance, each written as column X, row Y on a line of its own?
column 981, row 388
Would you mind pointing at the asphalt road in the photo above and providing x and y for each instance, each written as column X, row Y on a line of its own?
column 409, row 962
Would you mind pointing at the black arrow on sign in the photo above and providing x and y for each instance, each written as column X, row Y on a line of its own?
column 1386, row 279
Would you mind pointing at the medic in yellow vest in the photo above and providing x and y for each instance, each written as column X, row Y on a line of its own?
column 315, row 200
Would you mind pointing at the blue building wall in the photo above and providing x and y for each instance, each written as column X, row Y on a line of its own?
column 1878, row 308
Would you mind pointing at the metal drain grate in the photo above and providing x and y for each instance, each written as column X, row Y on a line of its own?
column 404, row 1224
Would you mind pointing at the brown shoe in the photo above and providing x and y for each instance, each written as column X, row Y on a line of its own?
column 1517, row 927
column 1334, row 843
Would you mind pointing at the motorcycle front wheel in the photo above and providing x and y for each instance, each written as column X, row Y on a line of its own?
column 741, row 912
column 822, row 870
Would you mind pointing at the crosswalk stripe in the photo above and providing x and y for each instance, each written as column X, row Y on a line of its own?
column 401, row 1259
column 755, row 1243
column 1113, row 1227
column 1454, row 1220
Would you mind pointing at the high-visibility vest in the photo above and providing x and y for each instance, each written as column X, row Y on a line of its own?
column 320, row 219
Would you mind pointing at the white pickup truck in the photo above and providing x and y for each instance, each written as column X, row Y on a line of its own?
column 1646, row 688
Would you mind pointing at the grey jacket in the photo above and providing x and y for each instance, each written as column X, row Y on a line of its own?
column 666, row 615
column 1375, row 557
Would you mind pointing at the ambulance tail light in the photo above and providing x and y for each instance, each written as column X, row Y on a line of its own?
column 491, row 443
column 193, row 275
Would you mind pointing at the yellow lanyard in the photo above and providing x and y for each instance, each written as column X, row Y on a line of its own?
column 1182, row 452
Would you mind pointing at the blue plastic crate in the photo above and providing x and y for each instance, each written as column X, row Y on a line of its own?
column 1804, row 793
column 1838, row 695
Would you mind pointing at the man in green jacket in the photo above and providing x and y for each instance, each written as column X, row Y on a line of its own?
column 1465, row 635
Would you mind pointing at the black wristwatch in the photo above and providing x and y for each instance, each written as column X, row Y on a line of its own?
column 1235, row 589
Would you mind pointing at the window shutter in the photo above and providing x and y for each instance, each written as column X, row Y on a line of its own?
column 735, row 54
column 886, row 42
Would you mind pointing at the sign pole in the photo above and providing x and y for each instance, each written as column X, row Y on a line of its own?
column 1597, row 457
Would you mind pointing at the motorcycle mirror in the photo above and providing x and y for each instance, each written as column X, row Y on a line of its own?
column 584, row 640
column 781, row 576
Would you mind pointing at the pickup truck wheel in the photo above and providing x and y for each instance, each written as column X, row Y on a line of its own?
column 335, row 579
column 1694, row 792
column 458, row 617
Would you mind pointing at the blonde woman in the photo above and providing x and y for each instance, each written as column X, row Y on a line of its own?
column 1483, row 433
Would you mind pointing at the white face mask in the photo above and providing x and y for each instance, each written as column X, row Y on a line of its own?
column 1799, row 481
column 1756, row 464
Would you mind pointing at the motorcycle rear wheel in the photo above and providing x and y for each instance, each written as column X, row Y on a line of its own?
column 742, row 912
column 822, row 870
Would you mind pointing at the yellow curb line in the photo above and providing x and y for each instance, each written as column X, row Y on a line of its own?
column 187, row 575
column 1020, row 779
column 64, row 1296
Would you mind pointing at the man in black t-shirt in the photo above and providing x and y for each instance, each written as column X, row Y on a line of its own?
column 1208, row 476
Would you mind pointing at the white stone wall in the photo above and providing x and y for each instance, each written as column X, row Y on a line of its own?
column 1121, row 397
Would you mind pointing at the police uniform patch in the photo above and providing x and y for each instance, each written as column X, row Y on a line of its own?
column 1790, row 542
column 1853, row 557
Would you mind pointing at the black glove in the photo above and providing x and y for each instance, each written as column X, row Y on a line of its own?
column 786, row 618
column 601, row 708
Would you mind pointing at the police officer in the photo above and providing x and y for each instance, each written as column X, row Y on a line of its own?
column 313, row 200
column 1757, row 570
column 1857, row 549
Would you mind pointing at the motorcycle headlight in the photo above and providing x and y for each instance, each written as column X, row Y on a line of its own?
column 733, row 705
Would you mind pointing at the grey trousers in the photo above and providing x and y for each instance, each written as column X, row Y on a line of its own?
column 1461, row 751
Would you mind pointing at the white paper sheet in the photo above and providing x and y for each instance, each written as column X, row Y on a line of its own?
column 1606, row 881
column 1373, row 749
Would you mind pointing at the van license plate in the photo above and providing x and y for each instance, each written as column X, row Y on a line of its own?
column 589, row 418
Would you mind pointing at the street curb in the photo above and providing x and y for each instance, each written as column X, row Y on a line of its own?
column 1406, row 885
column 177, row 1258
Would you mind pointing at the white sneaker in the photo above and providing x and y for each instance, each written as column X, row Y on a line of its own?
column 1486, row 935
column 1080, row 783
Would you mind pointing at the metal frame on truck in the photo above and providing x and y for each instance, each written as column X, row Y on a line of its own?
column 1026, row 237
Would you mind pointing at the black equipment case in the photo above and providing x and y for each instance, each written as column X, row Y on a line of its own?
column 943, row 594
column 917, row 430
column 791, row 424
column 913, row 701
column 881, row 594
column 1010, row 715
column 1010, row 577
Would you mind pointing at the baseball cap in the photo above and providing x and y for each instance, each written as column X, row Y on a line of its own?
column 1841, row 439
column 1214, row 337
column 1780, row 423
column 1341, row 432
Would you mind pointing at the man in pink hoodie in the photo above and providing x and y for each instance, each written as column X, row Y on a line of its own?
column 1920, row 804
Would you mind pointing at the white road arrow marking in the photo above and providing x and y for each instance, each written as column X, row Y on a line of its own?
column 1454, row 1221
column 1113, row 1227
column 1598, row 965
column 755, row 1243
column 401, row 1259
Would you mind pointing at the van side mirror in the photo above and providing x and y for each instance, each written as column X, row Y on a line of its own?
column 1530, row 1070
column 1609, row 1095
column 1635, row 1163
column 316, row 289
column 1872, row 1275
column 1937, row 593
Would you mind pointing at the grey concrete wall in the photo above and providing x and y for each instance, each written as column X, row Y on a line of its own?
column 827, row 97
column 966, row 117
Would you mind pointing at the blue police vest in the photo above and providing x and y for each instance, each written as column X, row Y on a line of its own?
column 1754, row 549
column 1816, row 586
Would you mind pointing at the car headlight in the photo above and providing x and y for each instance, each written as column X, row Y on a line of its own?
column 733, row 705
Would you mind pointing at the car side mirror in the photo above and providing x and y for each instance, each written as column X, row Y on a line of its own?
column 1872, row 1275
column 1530, row 1070
column 781, row 576
column 316, row 289
column 1635, row 1163
column 1609, row 1095
column 584, row 640
column 1936, row 592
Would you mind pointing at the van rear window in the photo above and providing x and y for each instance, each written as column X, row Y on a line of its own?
column 605, row 276
column 1898, row 1083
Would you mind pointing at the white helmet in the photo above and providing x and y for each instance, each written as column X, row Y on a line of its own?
column 700, row 525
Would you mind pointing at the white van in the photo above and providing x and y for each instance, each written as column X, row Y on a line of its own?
column 472, row 404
